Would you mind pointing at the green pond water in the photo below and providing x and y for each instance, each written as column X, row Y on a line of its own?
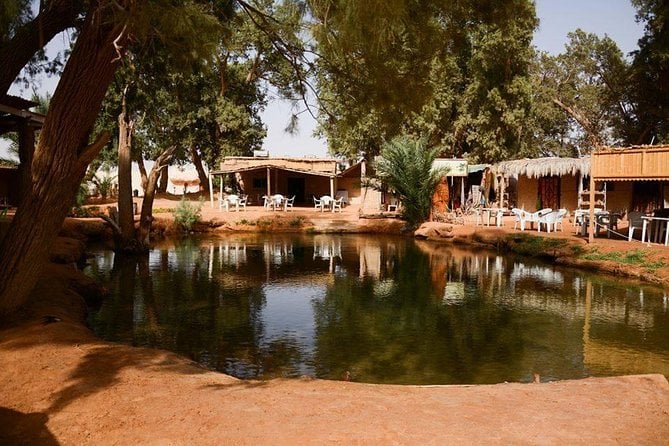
column 380, row 309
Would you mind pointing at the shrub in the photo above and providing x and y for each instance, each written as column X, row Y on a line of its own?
column 405, row 166
column 186, row 214
column 296, row 222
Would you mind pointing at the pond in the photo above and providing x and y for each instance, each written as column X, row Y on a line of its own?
column 380, row 310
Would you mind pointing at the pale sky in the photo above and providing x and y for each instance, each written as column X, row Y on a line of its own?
column 614, row 18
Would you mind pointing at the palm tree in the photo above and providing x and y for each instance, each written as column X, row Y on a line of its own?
column 405, row 166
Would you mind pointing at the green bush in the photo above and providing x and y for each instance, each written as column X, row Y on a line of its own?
column 405, row 166
column 186, row 214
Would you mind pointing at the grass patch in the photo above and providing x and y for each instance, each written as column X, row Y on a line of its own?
column 636, row 257
column 296, row 222
column 532, row 245
column 162, row 210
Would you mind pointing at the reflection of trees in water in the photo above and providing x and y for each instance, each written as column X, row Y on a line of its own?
column 408, row 335
column 391, row 311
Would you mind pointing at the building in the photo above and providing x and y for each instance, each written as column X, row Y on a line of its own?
column 533, row 184
column 304, row 178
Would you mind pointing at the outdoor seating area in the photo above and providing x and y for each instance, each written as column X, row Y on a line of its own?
column 228, row 201
column 329, row 203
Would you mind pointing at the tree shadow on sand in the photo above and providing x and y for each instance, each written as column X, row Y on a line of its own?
column 17, row 428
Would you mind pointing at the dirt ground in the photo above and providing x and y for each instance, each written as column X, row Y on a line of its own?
column 59, row 384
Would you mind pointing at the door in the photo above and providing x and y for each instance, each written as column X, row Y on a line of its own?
column 296, row 187
column 549, row 192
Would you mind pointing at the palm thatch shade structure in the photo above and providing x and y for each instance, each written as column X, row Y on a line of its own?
column 543, row 167
column 544, row 182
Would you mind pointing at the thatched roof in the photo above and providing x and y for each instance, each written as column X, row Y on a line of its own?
column 543, row 167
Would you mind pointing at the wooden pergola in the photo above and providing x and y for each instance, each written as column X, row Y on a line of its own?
column 636, row 163
column 15, row 116
column 318, row 167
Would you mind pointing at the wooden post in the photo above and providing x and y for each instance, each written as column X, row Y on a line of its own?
column 591, row 226
column 332, row 186
column 502, row 190
column 269, row 183
column 211, row 189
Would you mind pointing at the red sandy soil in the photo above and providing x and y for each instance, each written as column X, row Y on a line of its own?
column 59, row 384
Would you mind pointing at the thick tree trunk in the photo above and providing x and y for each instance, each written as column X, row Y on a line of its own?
column 61, row 157
column 57, row 16
column 125, row 210
column 146, row 218
column 201, row 174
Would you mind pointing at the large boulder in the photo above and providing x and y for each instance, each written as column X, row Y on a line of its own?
column 434, row 230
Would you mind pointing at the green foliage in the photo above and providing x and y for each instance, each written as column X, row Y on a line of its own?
column 636, row 257
column 186, row 214
column 533, row 246
column 296, row 222
column 104, row 183
column 649, row 76
column 454, row 72
column 405, row 167
column 579, row 98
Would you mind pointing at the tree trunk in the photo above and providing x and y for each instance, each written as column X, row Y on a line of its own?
column 583, row 121
column 146, row 218
column 26, row 152
column 164, row 179
column 61, row 157
column 125, row 210
column 201, row 174
column 142, row 171
column 56, row 17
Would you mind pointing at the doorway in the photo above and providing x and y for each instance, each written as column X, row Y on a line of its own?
column 549, row 192
column 296, row 187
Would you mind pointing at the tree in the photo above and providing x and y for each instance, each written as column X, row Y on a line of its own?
column 23, row 36
column 649, row 77
column 456, row 72
column 64, row 150
column 405, row 166
column 587, row 85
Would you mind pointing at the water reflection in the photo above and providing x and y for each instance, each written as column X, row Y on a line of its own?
column 383, row 309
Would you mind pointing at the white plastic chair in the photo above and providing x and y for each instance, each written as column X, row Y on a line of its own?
column 634, row 222
column 553, row 218
column 337, row 204
column 241, row 202
column 318, row 204
column 519, row 216
column 276, row 201
column 326, row 201
column 230, row 200
column 288, row 203
column 533, row 217
column 394, row 203
column 558, row 220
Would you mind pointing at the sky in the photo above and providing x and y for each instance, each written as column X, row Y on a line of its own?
column 615, row 18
